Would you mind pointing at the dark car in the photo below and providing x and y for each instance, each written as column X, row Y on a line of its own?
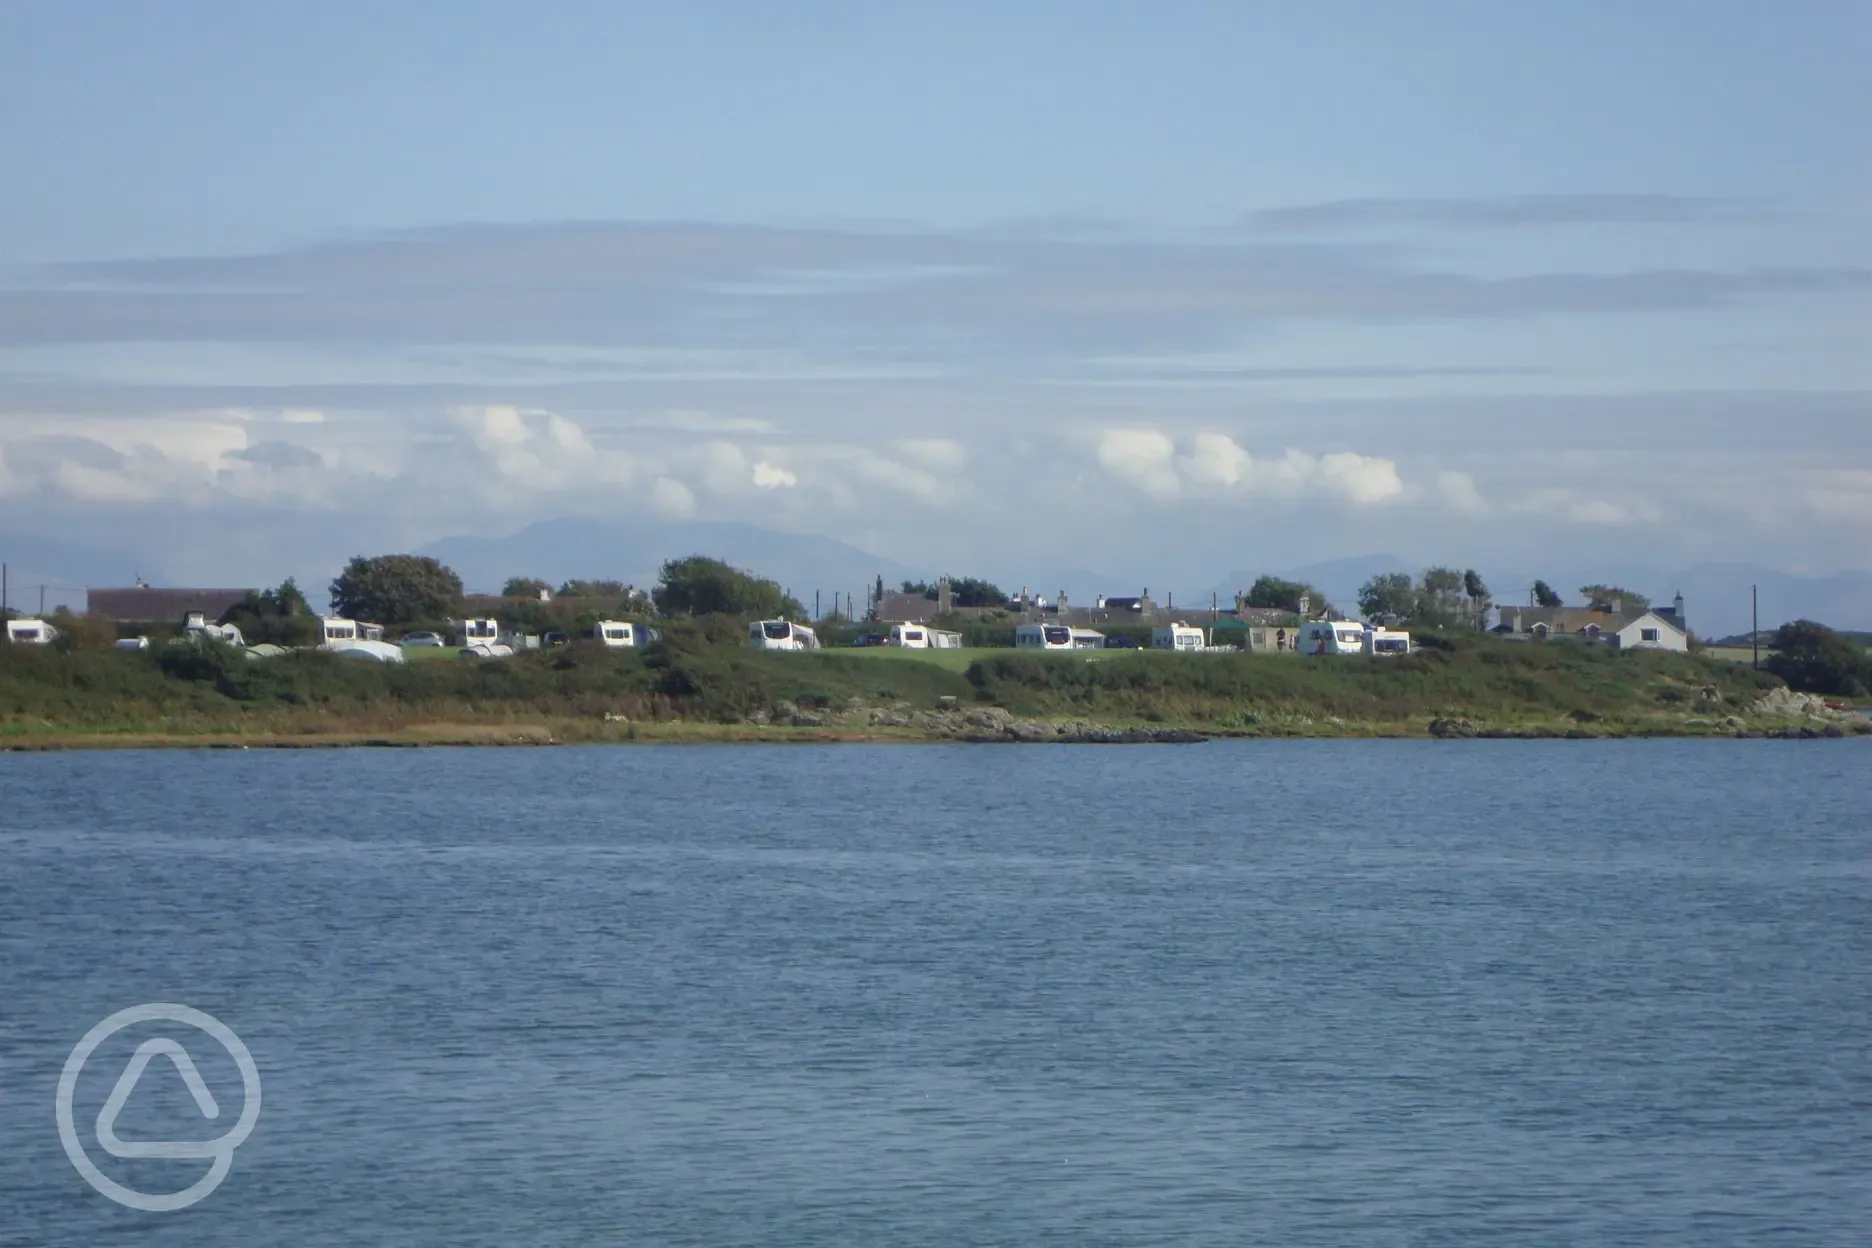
column 555, row 639
column 871, row 639
column 1121, row 642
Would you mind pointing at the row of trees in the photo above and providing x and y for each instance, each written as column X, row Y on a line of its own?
column 1440, row 597
column 964, row 591
column 407, row 589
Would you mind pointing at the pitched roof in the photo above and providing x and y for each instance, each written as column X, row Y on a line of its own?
column 906, row 609
column 1578, row 619
column 142, row 605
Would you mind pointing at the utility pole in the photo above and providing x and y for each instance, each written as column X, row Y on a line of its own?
column 815, row 606
column 42, row 602
column 3, row 588
column 1755, row 626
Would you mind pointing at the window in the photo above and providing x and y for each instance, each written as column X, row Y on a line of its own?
column 1648, row 634
column 777, row 630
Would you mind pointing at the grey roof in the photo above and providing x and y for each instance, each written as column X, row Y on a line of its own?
column 142, row 605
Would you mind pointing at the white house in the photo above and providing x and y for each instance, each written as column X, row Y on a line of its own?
column 1651, row 631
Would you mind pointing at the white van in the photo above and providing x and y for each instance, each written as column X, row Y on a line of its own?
column 30, row 632
column 617, row 634
column 1320, row 637
column 1044, row 637
column 781, row 635
column 1178, row 636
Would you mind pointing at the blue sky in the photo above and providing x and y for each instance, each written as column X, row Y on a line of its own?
column 1454, row 281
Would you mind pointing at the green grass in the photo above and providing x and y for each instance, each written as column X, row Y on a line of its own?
column 574, row 692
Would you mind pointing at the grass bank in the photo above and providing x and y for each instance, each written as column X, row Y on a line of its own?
column 1481, row 686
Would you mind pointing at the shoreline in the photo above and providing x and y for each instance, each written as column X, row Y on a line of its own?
column 457, row 735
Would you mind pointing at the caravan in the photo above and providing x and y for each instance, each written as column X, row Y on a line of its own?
column 1387, row 641
column 196, row 627
column 781, row 635
column 909, row 636
column 617, row 634
column 30, row 633
column 1043, row 637
column 1178, row 636
column 1322, row 637
column 472, row 633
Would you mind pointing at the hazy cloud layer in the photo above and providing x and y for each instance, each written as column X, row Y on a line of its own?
column 1506, row 212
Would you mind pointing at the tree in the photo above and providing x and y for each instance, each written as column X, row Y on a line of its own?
column 280, row 617
column 699, row 585
column 1544, row 595
column 1440, row 597
column 964, row 591
column 1813, row 658
column 524, row 587
column 1271, row 593
column 1477, row 592
column 396, row 589
column 595, row 589
column 1389, row 595
column 1601, row 598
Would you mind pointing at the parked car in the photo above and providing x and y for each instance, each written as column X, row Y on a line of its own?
column 1119, row 641
column 423, row 639
column 555, row 639
column 872, row 639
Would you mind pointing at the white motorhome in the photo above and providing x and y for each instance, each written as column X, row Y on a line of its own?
column 909, row 636
column 1043, row 637
column 1388, row 641
column 30, row 632
column 484, row 632
column 617, row 634
column 1178, row 636
column 1321, row 637
column 781, row 635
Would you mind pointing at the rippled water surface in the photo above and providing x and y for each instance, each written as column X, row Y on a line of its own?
column 1259, row 993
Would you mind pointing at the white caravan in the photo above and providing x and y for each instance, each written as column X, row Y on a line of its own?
column 617, row 634
column 1388, row 641
column 133, row 643
column 909, row 636
column 1321, row 637
column 1178, row 636
column 477, row 633
column 30, row 632
column 1043, row 637
column 196, row 627
column 781, row 635
column 940, row 640
column 337, row 633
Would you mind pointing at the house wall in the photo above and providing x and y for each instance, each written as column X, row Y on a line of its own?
column 1631, row 637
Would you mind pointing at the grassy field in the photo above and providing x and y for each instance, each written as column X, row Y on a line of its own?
column 727, row 692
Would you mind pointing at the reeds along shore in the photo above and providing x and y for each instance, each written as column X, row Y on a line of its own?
column 1467, row 687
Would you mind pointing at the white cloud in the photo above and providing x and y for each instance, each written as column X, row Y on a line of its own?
column 1362, row 479
column 1458, row 492
column 936, row 454
column 1216, row 460
column 772, row 477
column 671, row 499
column 1144, row 457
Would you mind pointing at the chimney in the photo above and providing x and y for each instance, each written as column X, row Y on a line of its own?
column 1618, row 606
column 944, row 602
column 1677, row 608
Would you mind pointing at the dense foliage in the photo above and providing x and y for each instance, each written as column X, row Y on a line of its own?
column 1813, row 658
column 396, row 590
column 699, row 585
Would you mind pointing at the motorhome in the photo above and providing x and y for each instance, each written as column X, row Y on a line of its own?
column 1320, row 637
column 484, row 632
column 617, row 634
column 1388, row 641
column 1043, row 637
column 1178, row 636
column 781, row 635
column 30, row 632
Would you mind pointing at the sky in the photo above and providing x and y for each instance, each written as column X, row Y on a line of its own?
column 979, row 287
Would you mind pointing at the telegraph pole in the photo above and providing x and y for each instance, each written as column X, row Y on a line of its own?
column 1755, row 626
